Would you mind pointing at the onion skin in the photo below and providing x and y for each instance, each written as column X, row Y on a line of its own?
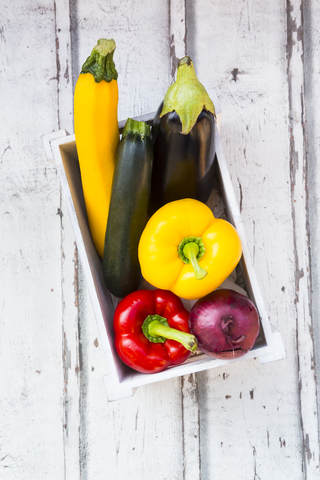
column 225, row 323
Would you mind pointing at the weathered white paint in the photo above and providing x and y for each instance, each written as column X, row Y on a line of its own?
column 251, row 423
column 311, row 17
column 299, row 192
column 177, row 32
column 69, row 260
column 31, row 421
column 252, row 83
column 140, row 436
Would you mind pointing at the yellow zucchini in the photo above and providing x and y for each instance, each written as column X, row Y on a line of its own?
column 97, row 134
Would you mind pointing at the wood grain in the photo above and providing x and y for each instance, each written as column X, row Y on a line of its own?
column 311, row 16
column 253, row 87
column 298, row 175
column 30, row 285
column 141, row 434
column 69, row 260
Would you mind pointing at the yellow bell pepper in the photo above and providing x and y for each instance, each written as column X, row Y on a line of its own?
column 185, row 249
column 97, row 134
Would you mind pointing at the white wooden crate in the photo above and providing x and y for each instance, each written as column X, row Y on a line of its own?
column 121, row 381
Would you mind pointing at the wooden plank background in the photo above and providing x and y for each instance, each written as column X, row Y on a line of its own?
column 244, row 420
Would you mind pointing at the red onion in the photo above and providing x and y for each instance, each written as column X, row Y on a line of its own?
column 225, row 323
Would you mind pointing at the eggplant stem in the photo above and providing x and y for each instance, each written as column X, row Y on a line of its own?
column 187, row 96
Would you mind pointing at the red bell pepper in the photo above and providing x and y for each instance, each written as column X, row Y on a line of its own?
column 151, row 330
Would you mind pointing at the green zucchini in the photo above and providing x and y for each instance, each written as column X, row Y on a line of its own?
column 128, row 211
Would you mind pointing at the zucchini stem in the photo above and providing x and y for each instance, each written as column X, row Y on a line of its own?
column 134, row 127
column 100, row 62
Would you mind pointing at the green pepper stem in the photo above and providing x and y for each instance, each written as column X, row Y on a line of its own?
column 157, row 330
column 191, row 250
column 100, row 62
column 186, row 339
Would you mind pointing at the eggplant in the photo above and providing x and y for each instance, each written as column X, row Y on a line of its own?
column 183, row 136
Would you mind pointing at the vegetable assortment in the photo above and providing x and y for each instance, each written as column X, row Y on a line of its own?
column 145, row 197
